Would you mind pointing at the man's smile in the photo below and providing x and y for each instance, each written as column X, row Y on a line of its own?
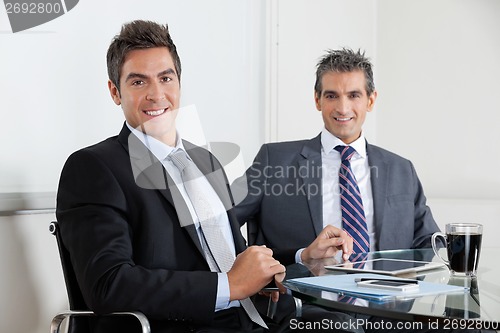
column 342, row 119
column 155, row 113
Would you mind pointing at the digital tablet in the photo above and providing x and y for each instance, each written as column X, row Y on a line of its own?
column 386, row 266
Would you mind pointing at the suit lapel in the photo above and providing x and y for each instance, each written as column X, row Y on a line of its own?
column 149, row 173
column 214, row 173
column 311, row 177
column 379, row 176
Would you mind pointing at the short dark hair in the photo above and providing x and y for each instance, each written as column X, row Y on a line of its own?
column 138, row 35
column 344, row 60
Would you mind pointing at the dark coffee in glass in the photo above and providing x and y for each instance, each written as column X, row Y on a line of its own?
column 463, row 245
column 463, row 251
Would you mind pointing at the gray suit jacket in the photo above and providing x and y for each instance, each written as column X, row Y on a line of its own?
column 284, row 198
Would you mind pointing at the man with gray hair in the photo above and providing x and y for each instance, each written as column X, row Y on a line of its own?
column 390, row 198
column 299, row 189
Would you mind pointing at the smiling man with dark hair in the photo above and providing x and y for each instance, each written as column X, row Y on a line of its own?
column 139, row 236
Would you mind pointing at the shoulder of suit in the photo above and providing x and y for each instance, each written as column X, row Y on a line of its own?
column 105, row 146
column 384, row 153
column 108, row 151
column 288, row 145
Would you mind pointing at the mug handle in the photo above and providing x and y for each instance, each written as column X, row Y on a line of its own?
column 435, row 248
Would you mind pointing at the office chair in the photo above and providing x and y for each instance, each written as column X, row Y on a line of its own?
column 77, row 305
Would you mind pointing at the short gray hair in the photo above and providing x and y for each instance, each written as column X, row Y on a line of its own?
column 341, row 61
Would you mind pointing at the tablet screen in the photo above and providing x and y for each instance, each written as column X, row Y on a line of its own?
column 387, row 266
column 396, row 265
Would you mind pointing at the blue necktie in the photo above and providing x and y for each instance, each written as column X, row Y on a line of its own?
column 353, row 215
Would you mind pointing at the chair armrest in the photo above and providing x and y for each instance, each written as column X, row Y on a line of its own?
column 272, row 306
column 298, row 307
column 58, row 319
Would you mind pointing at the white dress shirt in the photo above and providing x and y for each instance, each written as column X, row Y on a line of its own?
column 330, row 166
column 161, row 152
column 331, row 161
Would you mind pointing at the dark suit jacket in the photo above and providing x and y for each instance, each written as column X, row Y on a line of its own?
column 129, row 252
column 285, row 198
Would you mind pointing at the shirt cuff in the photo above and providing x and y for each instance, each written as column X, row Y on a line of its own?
column 298, row 256
column 223, row 292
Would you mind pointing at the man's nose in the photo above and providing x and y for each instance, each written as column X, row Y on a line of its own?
column 342, row 106
column 155, row 93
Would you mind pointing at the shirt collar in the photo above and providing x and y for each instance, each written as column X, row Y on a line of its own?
column 158, row 148
column 330, row 141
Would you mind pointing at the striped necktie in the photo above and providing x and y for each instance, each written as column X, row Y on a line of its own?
column 353, row 215
column 358, row 261
column 219, row 256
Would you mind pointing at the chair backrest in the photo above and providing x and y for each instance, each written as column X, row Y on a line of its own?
column 75, row 296
column 81, row 319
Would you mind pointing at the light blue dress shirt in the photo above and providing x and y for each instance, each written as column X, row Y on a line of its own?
column 161, row 152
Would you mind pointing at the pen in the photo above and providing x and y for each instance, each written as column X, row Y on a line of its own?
column 392, row 280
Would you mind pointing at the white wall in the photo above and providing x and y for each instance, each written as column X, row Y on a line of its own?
column 32, row 288
column 438, row 81
column 54, row 96
column 303, row 30
column 438, row 85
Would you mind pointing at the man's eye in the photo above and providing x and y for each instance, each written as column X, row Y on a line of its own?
column 166, row 79
column 330, row 96
column 137, row 83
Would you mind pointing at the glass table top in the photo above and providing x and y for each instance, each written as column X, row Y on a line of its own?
column 480, row 304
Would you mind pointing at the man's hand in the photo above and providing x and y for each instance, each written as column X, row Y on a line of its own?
column 317, row 266
column 328, row 242
column 275, row 294
column 252, row 270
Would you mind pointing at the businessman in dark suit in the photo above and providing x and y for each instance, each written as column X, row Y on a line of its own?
column 128, row 222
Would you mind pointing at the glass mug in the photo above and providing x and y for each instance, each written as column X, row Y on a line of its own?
column 463, row 246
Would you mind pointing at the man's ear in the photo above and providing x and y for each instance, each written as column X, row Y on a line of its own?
column 317, row 101
column 115, row 93
column 371, row 100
